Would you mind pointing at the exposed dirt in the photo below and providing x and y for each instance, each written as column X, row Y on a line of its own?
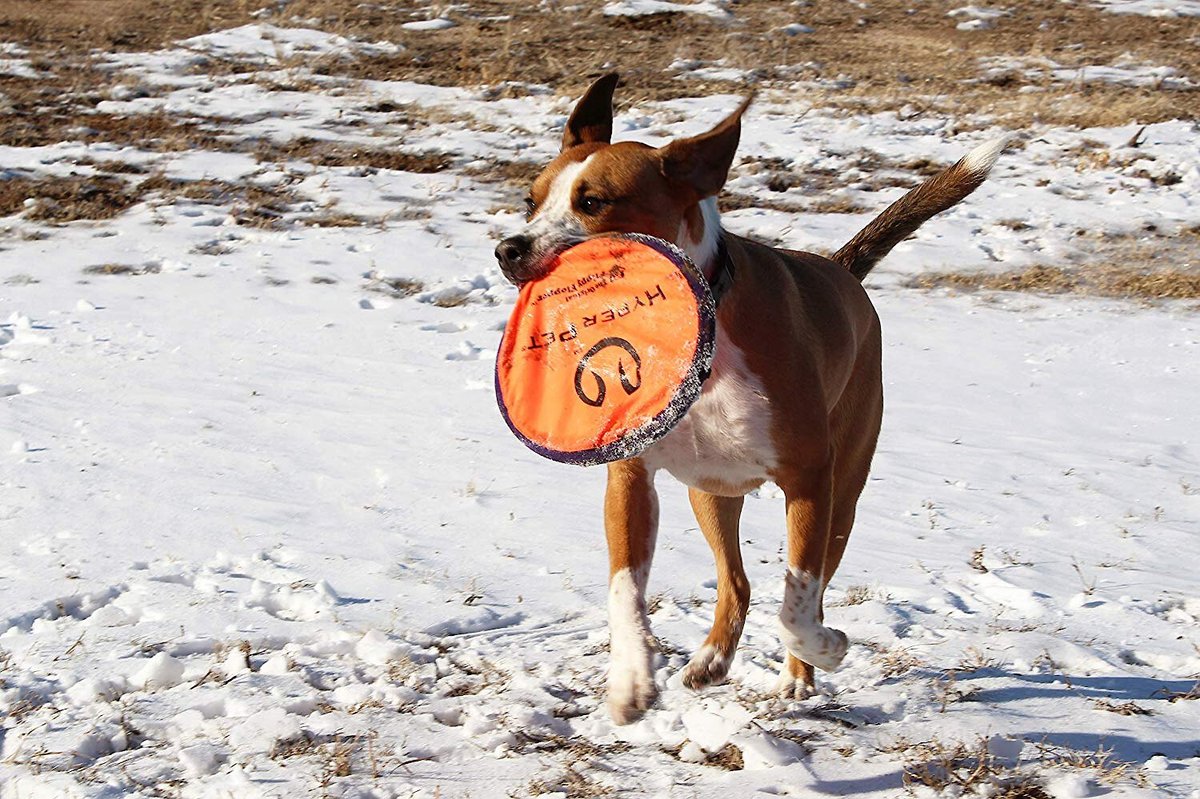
column 889, row 54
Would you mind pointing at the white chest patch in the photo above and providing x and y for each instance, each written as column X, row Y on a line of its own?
column 725, row 437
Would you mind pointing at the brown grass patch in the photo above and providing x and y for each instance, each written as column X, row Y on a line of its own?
column 1176, row 696
column 1122, row 708
column 572, row 783
column 249, row 205
column 1102, row 280
column 729, row 758
column 881, row 56
column 887, row 53
column 518, row 174
column 61, row 107
column 897, row 662
column 964, row 768
column 331, row 153
column 122, row 269
column 331, row 218
column 65, row 199
column 398, row 287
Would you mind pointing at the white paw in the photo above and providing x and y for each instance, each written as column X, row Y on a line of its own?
column 631, row 689
column 823, row 647
column 707, row 667
column 800, row 626
column 791, row 688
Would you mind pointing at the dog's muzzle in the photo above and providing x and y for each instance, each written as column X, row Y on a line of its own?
column 514, row 255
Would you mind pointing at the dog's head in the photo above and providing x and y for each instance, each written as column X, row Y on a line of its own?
column 596, row 187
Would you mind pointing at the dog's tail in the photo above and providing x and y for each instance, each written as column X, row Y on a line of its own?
column 904, row 216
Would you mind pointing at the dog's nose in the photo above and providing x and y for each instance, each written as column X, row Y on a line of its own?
column 511, row 253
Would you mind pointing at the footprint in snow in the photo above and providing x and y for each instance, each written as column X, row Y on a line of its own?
column 465, row 352
column 445, row 327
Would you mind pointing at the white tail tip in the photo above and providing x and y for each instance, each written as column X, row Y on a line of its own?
column 980, row 160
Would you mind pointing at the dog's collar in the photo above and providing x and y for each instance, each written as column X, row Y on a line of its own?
column 721, row 279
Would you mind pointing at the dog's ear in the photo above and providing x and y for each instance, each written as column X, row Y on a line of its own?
column 702, row 162
column 592, row 119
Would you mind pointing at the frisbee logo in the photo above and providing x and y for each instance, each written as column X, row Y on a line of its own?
column 601, row 388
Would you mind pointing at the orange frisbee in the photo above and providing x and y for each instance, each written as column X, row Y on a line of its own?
column 604, row 354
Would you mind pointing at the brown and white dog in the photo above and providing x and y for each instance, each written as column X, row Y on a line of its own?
column 795, row 393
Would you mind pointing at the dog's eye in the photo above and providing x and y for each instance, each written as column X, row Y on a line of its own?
column 592, row 205
column 530, row 207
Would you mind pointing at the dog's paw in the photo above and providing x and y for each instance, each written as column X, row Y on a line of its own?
column 800, row 625
column 631, row 690
column 793, row 689
column 707, row 667
column 823, row 647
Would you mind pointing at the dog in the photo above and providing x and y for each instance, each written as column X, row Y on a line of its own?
column 795, row 394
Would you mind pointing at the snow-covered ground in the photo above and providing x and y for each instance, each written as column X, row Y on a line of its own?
column 264, row 534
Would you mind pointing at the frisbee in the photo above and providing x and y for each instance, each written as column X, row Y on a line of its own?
column 605, row 353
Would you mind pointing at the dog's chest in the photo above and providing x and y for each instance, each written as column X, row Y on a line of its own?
column 723, row 443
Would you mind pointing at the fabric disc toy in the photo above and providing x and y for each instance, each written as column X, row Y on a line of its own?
column 606, row 352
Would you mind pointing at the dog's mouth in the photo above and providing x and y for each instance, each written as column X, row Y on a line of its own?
column 524, row 262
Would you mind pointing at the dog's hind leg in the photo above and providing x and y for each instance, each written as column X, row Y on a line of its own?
column 631, row 526
column 809, row 497
column 718, row 518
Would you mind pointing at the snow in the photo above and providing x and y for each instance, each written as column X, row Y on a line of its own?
column 1152, row 8
column 976, row 17
column 644, row 8
column 263, row 534
column 1124, row 71
column 437, row 24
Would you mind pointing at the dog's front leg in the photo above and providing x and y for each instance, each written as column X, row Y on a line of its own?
column 631, row 525
column 718, row 518
column 809, row 498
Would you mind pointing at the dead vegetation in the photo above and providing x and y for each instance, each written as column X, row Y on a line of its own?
column 65, row 199
column 907, row 58
column 572, row 783
column 730, row 758
column 397, row 287
column 975, row 768
column 897, row 662
column 1122, row 708
column 727, row 758
column 122, row 269
column 324, row 152
column 1176, row 696
column 965, row 768
column 1120, row 281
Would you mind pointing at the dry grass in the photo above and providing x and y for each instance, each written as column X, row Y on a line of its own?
column 897, row 662
column 249, row 205
column 398, row 287
column 1176, row 696
column 967, row 769
column 577, row 747
column 323, row 152
column 122, row 269
column 971, row 768
column 1122, row 708
column 572, row 783
column 858, row 594
column 1108, row 769
column 1130, row 282
column 729, row 759
column 888, row 54
column 896, row 56
column 65, row 199
column 61, row 107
